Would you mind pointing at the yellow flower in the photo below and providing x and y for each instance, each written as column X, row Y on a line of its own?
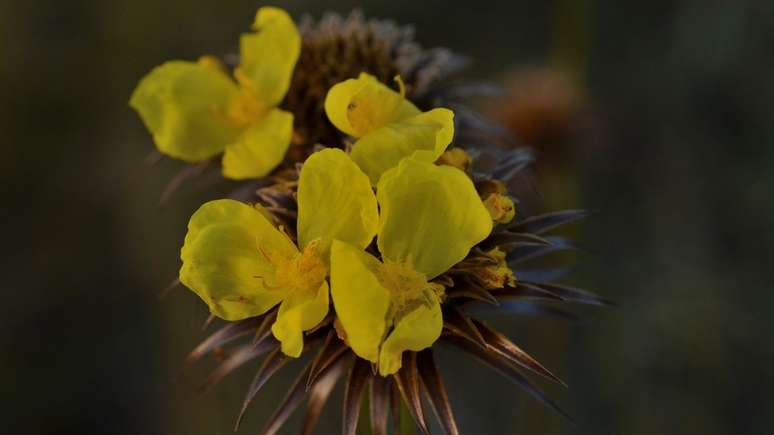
column 195, row 110
column 241, row 265
column 389, row 128
column 430, row 218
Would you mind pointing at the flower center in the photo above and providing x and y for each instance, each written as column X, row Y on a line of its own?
column 305, row 272
column 246, row 108
column 408, row 287
column 370, row 110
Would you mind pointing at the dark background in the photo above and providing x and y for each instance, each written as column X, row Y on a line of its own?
column 675, row 149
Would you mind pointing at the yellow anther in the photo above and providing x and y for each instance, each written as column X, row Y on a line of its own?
column 408, row 287
column 305, row 272
column 500, row 207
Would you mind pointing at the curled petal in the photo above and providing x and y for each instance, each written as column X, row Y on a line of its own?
column 362, row 105
column 335, row 201
column 360, row 300
column 224, row 261
column 417, row 330
column 185, row 106
column 269, row 55
column 260, row 148
column 430, row 216
column 299, row 312
column 425, row 137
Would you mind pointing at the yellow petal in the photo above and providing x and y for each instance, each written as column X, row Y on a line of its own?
column 269, row 55
column 260, row 148
column 224, row 261
column 185, row 106
column 335, row 201
column 359, row 106
column 423, row 137
column 301, row 311
column 417, row 330
column 430, row 216
column 360, row 300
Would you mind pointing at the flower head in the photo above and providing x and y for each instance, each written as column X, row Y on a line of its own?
column 195, row 111
column 430, row 218
column 388, row 127
column 448, row 241
column 241, row 265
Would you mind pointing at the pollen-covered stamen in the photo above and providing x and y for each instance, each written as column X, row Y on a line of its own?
column 304, row 272
column 408, row 287
column 500, row 207
column 495, row 275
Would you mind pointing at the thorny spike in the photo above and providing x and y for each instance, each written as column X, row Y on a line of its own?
column 510, row 350
column 407, row 381
column 546, row 222
column 506, row 368
column 264, row 328
column 271, row 364
column 292, row 400
column 331, row 350
column 320, row 392
column 222, row 336
column 353, row 393
column 242, row 355
column 436, row 392
column 454, row 319
column 380, row 404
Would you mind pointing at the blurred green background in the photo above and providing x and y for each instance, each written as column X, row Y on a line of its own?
column 674, row 145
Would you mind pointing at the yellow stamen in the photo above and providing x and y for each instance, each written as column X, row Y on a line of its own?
column 497, row 275
column 305, row 272
column 500, row 207
column 408, row 287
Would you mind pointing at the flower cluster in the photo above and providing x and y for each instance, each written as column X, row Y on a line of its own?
column 369, row 250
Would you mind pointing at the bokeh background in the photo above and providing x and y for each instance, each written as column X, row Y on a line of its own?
column 659, row 115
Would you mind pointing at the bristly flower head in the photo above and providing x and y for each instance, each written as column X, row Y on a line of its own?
column 367, row 253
